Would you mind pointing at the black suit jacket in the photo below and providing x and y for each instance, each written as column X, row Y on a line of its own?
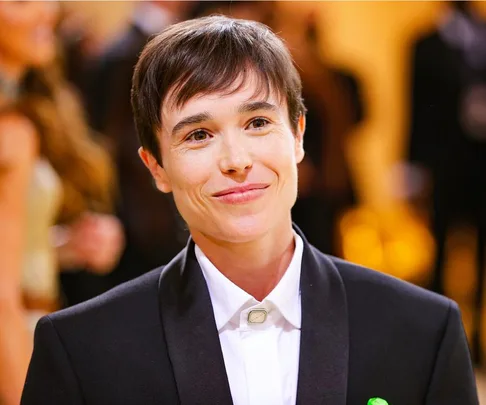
column 154, row 341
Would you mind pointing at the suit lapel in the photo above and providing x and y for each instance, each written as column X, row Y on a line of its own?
column 193, row 341
column 191, row 334
column 324, row 346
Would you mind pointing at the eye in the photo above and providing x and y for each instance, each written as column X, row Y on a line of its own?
column 258, row 123
column 197, row 136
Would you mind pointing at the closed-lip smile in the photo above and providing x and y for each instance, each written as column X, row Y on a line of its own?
column 240, row 189
column 241, row 194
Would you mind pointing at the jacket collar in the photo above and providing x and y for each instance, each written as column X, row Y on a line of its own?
column 193, row 343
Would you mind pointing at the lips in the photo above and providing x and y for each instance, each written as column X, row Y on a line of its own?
column 241, row 189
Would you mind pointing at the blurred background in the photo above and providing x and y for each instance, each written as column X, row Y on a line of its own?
column 394, row 176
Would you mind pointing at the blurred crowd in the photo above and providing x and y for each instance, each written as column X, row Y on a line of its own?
column 80, row 214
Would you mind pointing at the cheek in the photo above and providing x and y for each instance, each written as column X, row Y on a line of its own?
column 189, row 177
column 278, row 154
column 281, row 160
column 190, row 171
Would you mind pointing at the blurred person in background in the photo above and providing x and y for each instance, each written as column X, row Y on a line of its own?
column 154, row 231
column 51, row 172
column 447, row 145
column 334, row 107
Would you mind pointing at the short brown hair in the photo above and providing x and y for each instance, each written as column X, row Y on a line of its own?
column 204, row 56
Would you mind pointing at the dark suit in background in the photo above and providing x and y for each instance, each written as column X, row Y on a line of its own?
column 318, row 214
column 448, row 134
column 154, row 341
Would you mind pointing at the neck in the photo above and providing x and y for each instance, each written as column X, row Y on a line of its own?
column 257, row 266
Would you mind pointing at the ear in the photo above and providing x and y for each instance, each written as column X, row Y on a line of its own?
column 299, row 139
column 158, row 172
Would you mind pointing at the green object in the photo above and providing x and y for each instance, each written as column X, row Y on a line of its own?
column 377, row 401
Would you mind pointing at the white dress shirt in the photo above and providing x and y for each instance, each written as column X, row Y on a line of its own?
column 261, row 359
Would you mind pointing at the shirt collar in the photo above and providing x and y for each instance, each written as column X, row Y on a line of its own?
column 286, row 294
column 227, row 298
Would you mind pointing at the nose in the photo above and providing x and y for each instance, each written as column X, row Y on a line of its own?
column 236, row 157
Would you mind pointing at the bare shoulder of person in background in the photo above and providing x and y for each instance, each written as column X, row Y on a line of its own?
column 18, row 141
column 18, row 150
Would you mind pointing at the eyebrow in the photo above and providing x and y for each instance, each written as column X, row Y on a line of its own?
column 191, row 120
column 255, row 106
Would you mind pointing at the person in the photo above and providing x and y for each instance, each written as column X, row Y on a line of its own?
column 53, row 179
column 447, row 145
column 150, row 240
column 249, row 312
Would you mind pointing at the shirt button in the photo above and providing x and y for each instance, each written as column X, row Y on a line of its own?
column 257, row 316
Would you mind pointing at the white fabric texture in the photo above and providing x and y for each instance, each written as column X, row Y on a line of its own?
column 261, row 359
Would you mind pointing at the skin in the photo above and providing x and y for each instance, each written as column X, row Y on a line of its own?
column 239, row 139
column 27, row 40
column 15, row 339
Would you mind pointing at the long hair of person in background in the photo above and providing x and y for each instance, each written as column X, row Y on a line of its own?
column 86, row 171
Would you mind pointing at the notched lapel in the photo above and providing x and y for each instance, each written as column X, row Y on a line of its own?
column 190, row 331
column 324, row 344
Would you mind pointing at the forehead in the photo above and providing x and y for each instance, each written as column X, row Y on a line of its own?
column 244, row 91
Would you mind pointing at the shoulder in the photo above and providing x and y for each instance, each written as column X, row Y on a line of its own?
column 400, row 332
column 122, row 306
column 387, row 298
column 377, row 285
column 119, row 330
column 18, row 139
column 118, row 308
column 388, row 315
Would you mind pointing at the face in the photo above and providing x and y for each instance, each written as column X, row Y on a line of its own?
column 231, row 163
column 27, row 32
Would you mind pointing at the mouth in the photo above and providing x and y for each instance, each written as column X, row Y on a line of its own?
column 240, row 190
column 241, row 194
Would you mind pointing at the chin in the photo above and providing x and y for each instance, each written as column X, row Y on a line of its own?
column 243, row 229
